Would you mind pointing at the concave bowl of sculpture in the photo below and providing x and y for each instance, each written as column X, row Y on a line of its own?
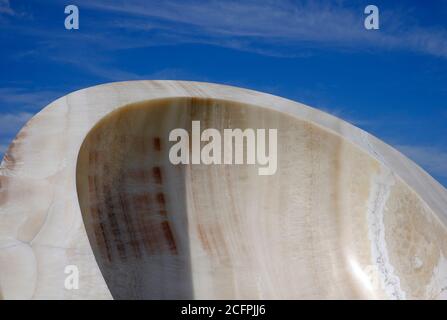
column 88, row 182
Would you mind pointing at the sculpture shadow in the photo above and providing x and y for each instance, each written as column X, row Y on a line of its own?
column 133, row 203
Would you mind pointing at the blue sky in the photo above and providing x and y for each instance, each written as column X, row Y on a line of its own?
column 391, row 82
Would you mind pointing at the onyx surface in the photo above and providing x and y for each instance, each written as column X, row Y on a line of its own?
column 88, row 182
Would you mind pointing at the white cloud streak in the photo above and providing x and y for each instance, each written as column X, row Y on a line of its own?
column 10, row 123
column 5, row 8
column 433, row 159
column 3, row 148
column 272, row 28
column 21, row 105
column 241, row 23
column 27, row 99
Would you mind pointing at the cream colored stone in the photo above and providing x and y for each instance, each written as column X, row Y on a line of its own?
column 88, row 182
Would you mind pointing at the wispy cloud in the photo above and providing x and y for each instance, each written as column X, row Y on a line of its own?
column 272, row 28
column 26, row 99
column 344, row 114
column 105, row 69
column 433, row 159
column 3, row 148
column 249, row 24
column 18, row 106
column 5, row 8
column 10, row 123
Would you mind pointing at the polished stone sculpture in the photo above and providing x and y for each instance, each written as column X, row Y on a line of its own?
column 88, row 183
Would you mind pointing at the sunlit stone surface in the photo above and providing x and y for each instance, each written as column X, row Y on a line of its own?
column 88, row 182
